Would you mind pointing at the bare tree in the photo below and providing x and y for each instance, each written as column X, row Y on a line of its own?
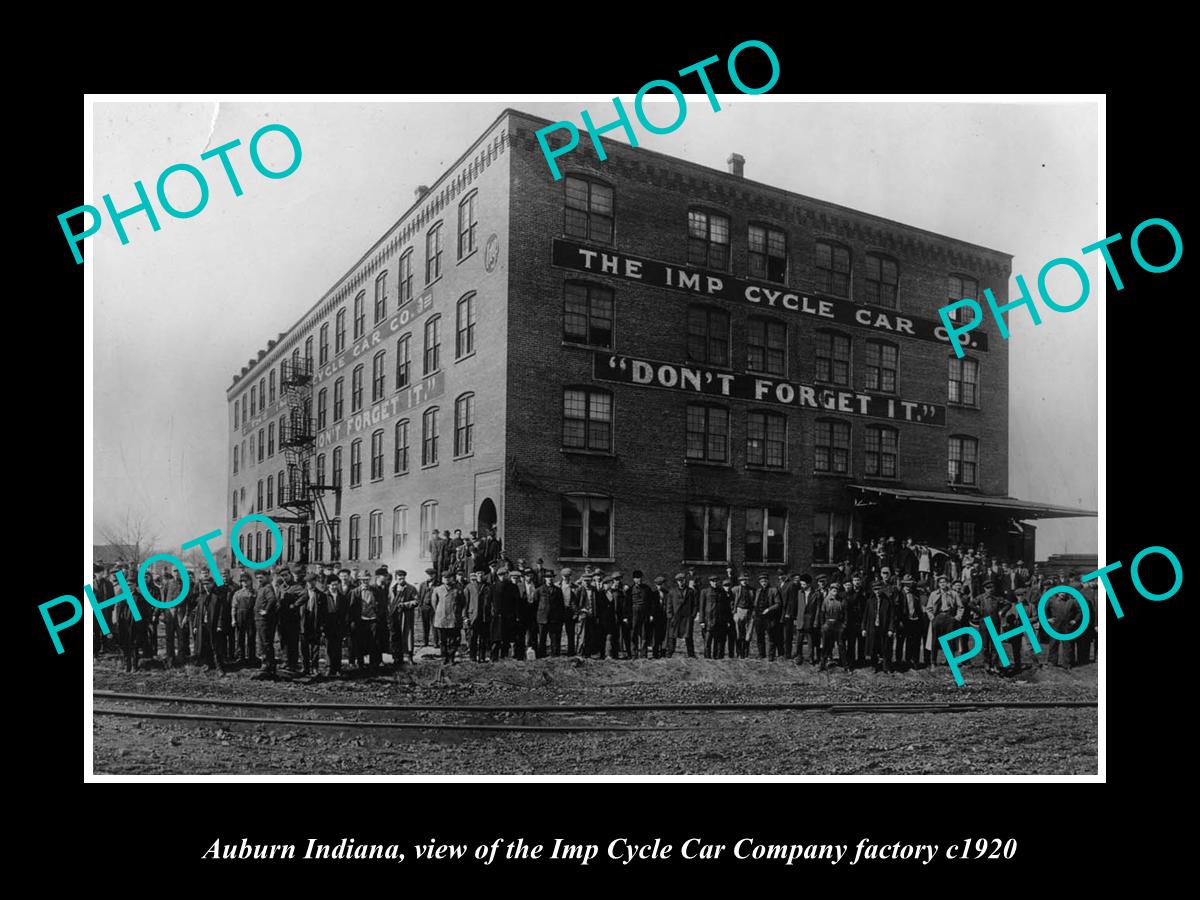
column 134, row 533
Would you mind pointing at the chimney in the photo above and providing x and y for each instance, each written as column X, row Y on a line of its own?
column 421, row 191
column 737, row 164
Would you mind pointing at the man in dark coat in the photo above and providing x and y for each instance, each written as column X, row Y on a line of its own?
column 607, row 603
column 879, row 626
column 312, row 616
column 212, row 607
column 588, row 639
column 478, row 607
column 768, row 606
column 791, row 614
column 373, row 618
column 911, row 623
column 291, row 602
column 714, row 611
column 680, row 613
column 266, row 617
column 989, row 604
column 506, row 604
column 809, row 607
column 549, row 602
column 623, row 614
column 856, row 605
column 641, row 608
column 570, row 607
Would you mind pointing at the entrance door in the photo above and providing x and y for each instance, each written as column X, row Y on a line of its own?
column 487, row 515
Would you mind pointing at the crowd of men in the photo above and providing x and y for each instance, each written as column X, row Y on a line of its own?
column 888, row 615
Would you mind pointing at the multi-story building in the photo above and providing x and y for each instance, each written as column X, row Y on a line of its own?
column 646, row 363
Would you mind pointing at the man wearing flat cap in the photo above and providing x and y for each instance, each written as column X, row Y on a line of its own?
column 291, row 600
column 714, row 608
column 402, row 615
column 879, row 626
column 742, row 597
column 548, row 600
column 570, row 607
column 641, row 608
column 768, row 605
column 680, row 613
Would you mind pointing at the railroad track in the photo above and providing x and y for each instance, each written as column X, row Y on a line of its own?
column 835, row 708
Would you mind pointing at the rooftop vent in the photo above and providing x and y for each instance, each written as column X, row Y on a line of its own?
column 737, row 164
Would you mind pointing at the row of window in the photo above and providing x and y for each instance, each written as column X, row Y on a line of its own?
column 464, row 445
column 468, row 242
column 587, row 425
column 586, row 533
column 589, row 214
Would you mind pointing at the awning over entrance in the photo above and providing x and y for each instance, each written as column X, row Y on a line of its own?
column 1018, row 509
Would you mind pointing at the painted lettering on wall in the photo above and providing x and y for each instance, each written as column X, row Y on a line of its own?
column 760, row 389
column 722, row 286
column 426, row 389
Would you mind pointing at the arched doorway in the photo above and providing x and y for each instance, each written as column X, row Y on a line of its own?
column 487, row 515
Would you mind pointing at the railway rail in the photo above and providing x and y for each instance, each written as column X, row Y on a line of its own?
column 830, row 707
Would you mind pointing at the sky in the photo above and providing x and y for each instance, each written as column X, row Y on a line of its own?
column 178, row 311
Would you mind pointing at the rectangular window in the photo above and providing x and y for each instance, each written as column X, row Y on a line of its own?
column 402, row 362
column 261, row 445
column 244, row 422
column 360, row 314
column 375, row 535
column 271, row 492
column 308, row 349
column 339, row 334
column 880, row 370
column 766, row 346
column 235, row 459
column 376, row 455
column 586, row 527
column 337, row 468
column 587, row 314
column 335, row 541
column 339, row 399
column 964, row 381
column 708, row 434
column 356, row 463
column 291, row 543
column 258, row 500
column 356, row 389
column 706, row 533
column 401, row 461
column 321, row 469
column 708, row 240
column 464, row 334
column 768, row 253
column 235, row 414
column 271, row 386
column 963, row 533
column 429, row 438
column 464, row 425
column 832, row 446
column 323, row 347
column 963, row 460
column 270, row 440
column 588, row 210
column 881, row 451
column 354, row 537
column 766, row 534
column 378, row 376
column 883, row 276
column 960, row 287
column 404, row 278
column 833, row 358
column 832, row 263
column 432, row 345
column 708, row 335
column 587, row 420
column 319, row 542
column 322, row 404
column 766, row 439
column 831, row 532
column 399, row 528
column 433, row 255
column 381, row 298
column 468, row 225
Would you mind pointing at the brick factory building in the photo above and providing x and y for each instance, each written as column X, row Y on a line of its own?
column 645, row 364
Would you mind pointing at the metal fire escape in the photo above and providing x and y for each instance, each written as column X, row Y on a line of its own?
column 297, row 440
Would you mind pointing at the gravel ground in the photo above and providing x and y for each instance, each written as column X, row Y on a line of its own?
column 1002, row 741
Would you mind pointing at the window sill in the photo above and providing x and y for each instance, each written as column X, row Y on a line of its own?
column 432, row 283
column 463, row 456
column 431, row 372
column 398, row 474
column 704, row 463
column 969, row 488
column 781, row 562
column 463, row 259
column 954, row 405
column 580, row 451
column 597, row 348
column 707, row 562
column 832, row 474
column 888, row 479
column 830, row 385
column 429, row 466
column 587, row 559
column 354, row 486
column 464, row 357
column 377, row 480
column 754, row 467
column 765, row 374
column 892, row 395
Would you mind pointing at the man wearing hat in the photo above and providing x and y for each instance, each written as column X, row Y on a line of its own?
column 587, row 592
column 660, row 600
column 622, row 614
column 570, row 607
column 713, row 609
column 768, row 606
column 789, row 588
column 425, row 605
column 373, row 616
column 608, row 600
column 879, row 626
column 680, row 613
column 832, row 618
column 742, row 597
column 944, row 609
column 548, row 600
column 506, row 604
column 857, row 596
column 402, row 614
column 266, row 617
column 478, row 594
column 312, row 618
column 641, row 610
column 447, row 618
column 910, row 622
column 102, row 589
column 291, row 602
column 243, row 621
column 990, row 604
